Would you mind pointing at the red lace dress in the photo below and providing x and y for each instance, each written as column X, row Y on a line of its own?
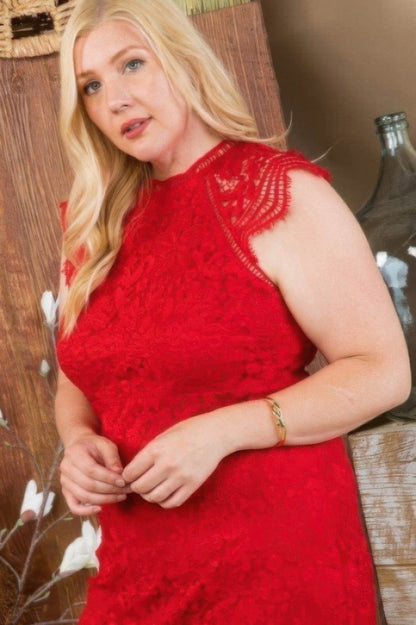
column 186, row 322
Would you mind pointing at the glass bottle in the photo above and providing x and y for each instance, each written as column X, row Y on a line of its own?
column 388, row 219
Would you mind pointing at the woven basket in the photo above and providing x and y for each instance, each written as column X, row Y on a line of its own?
column 32, row 27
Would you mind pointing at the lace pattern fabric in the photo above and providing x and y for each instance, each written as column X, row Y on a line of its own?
column 187, row 322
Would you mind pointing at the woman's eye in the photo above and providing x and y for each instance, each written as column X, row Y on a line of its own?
column 91, row 87
column 134, row 64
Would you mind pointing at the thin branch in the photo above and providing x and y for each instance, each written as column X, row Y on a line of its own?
column 5, row 540
column 11, row 568
column 72, row 620
column 51, row 525
column 36, row 532
column 64, row 618
column 21, row 445
column 46, row 484
column 69, row 608
column 38, row 594
column 17, row 613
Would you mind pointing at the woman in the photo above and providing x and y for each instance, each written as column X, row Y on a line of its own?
column 202, row 270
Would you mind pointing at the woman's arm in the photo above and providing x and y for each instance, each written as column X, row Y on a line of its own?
column 74, row 416
column 91, row 466
column 321, row 262
column 323, row 266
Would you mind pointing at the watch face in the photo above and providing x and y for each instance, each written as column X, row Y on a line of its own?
column 33, row 27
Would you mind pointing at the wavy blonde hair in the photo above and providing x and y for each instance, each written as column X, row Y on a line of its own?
column 108, row 182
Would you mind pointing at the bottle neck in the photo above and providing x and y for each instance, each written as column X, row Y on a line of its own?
column 395, row 143
column 396, row 182
column 397, row 174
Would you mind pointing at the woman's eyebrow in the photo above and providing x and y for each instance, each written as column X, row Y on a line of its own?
column 113, row 59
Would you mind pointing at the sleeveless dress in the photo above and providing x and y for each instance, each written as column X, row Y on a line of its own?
column 186, row 322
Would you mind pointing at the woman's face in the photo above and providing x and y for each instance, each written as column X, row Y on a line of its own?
column 128, row 97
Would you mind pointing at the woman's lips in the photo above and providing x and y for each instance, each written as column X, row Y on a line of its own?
column 134, row 127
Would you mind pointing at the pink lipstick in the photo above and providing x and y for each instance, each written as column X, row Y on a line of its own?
column 134, row 127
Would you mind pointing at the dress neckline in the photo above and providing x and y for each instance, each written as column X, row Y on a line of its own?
column 199, row 165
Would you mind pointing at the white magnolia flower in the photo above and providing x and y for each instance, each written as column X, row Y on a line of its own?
column 44, row 368
column 80, row 554
column 3, row 421
column 32, row 502
column 49, row 306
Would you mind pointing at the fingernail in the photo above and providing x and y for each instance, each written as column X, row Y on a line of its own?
column 94, row 510
column 120, row 483
column 117, row 467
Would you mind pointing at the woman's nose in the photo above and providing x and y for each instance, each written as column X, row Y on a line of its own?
column 118, row 98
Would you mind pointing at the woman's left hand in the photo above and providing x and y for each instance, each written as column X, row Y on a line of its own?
column 175, row 464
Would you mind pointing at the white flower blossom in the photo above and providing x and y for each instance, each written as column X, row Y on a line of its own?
column 80, row 554
column 49, row 306
column 44, row 368
column 32, row 502
column 3, row 421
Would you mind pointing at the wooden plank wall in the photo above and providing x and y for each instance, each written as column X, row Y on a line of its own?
column 385, row 463
column 238, row 36
column 33, row 179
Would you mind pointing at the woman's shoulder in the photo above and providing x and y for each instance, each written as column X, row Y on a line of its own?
column 251, row 188
column 263, row 158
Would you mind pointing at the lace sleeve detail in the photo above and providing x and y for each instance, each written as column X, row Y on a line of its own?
column 256, row 193
column 253, row 192
column 67, row 268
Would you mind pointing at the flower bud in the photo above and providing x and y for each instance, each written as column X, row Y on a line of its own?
column 44, row 368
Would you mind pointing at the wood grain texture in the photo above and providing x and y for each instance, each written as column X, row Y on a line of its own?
column 34, row 178
column 385, row 464
column 398, row 589
column 238, row 36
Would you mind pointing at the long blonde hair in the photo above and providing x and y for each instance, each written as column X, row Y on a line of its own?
column 108, row 182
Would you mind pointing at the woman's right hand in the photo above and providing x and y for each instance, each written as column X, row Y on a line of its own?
column 91, row 474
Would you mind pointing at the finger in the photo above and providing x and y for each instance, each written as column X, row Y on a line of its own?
column 88, row 497
column 74, row 474
column 162, row 492
column 149, row 480
column 141, row 463
column 76, row 507
column 109, row 456
column 176, row 499
column 87, row 466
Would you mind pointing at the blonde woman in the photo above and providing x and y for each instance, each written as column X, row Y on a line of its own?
column 202, row 270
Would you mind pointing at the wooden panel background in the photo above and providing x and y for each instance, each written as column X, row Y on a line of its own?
column 34, row 178
column 238, row 36
column 385, row 464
